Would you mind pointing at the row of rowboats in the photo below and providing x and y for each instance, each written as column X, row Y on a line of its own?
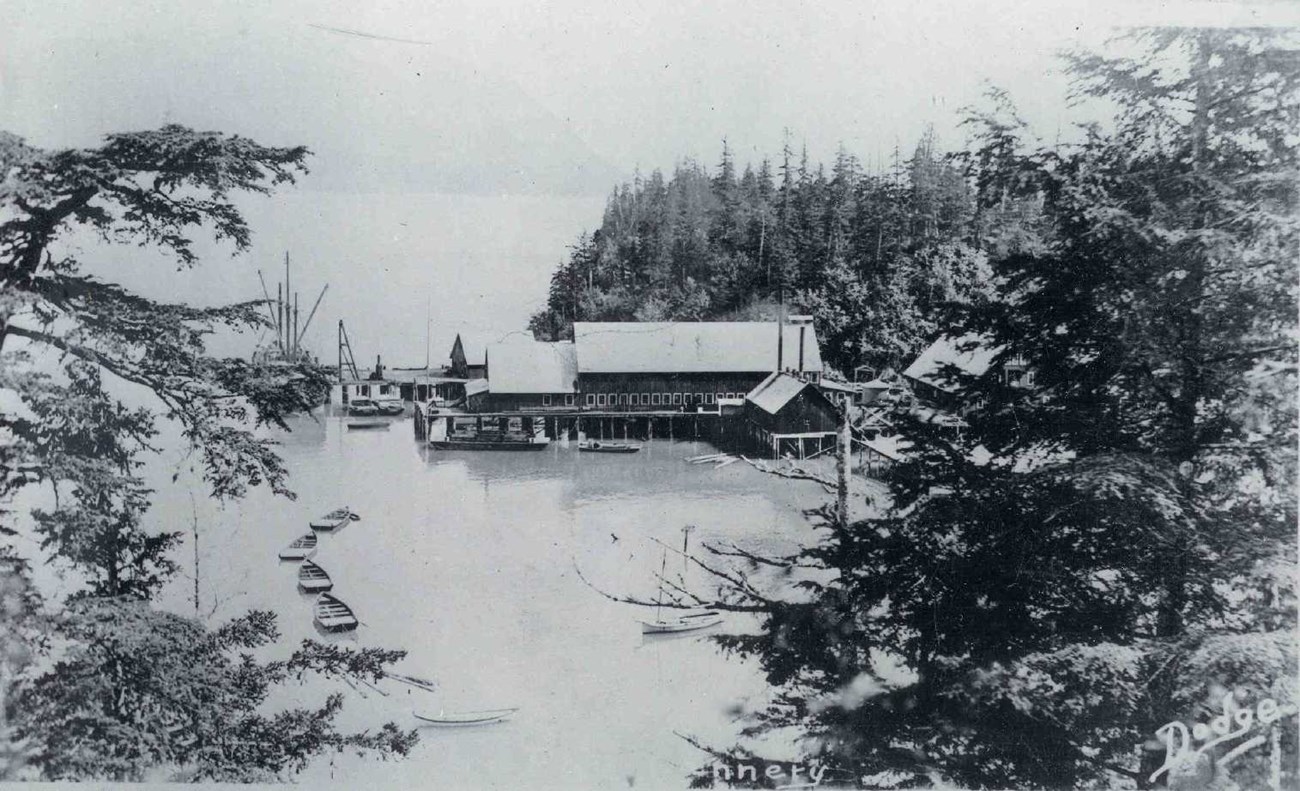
column 332, row 614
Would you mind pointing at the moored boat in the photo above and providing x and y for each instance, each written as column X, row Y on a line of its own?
column 391, row 407
column 464, row 718
column 302, row 548
column 334, row 520
column 490, row 443
column 598, row 446
column 313, row 579
column 366, row 423
column 363, row 407
column 682, row 623
column 333, row 615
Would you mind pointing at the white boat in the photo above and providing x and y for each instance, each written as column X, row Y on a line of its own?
column 682, row 623
column 678, row 621
column 334, row 520
column 465, row 718
column 333, row 615
column 302, row 548
column 313, row 579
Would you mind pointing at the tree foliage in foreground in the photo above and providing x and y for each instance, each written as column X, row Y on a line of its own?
column 102, row 686
column 1113, row 548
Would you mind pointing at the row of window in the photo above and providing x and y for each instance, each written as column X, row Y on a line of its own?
column 364, row 390
column 656, row 399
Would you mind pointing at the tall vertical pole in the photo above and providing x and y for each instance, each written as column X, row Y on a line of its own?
column 780, row 334
column 802, row 328
column 341, row 352
column 287, row 291
column 294, row 336
column 279, row 322
column 843, row 468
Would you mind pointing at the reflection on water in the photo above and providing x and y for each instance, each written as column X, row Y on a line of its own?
column 469, row 561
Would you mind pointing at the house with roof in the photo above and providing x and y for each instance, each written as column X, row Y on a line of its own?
column 468, row 358
column 935, row 374
column 686, row 366
column 790, row 415
column 530, row 375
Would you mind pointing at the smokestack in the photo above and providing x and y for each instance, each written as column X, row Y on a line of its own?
column 780, row 346
column 780, row 335
column 801, row 332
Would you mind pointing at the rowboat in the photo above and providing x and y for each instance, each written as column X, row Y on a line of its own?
column 596, row 446
column 302, row 548
column 366, row 423
column 334, row 520
column 363, row 407
column 390, row 407
column 682, row 623
column 333, row 615
column 313, row 579
column 464, row 718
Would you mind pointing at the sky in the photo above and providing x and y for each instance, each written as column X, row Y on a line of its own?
column 460, row 147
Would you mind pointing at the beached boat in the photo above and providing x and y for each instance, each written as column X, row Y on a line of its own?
column 464, row 718
column 333, row 615
column 334, row 520
column 302, row 548
column 313, row 579
column 597, row 446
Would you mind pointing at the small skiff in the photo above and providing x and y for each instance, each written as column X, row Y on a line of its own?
column 302, row 548
column 464, row 718
column 596, row 446
column 355, row 424
column 333, row 520
column 682, row 623
column 313, row 579
column 333, row 615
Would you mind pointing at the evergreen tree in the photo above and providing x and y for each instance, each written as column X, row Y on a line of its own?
column 102, row 686
column 1103, row 552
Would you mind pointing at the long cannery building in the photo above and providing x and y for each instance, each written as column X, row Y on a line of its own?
column 759, row 380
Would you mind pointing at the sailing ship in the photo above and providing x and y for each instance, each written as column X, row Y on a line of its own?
column 685, row 621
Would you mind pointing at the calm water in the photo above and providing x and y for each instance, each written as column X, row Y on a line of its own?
column 470, row 562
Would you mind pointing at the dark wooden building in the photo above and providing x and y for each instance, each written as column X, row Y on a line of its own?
column 468, row 359
column 686, row 366
column 931, row 374
column 789, row 415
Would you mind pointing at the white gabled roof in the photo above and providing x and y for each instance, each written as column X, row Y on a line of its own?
column 773, row 393
column 532, row 367
column 690, row 347
column 475, row 386
column 970, row 353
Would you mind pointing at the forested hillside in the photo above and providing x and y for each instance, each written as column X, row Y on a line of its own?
column 874, row 256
